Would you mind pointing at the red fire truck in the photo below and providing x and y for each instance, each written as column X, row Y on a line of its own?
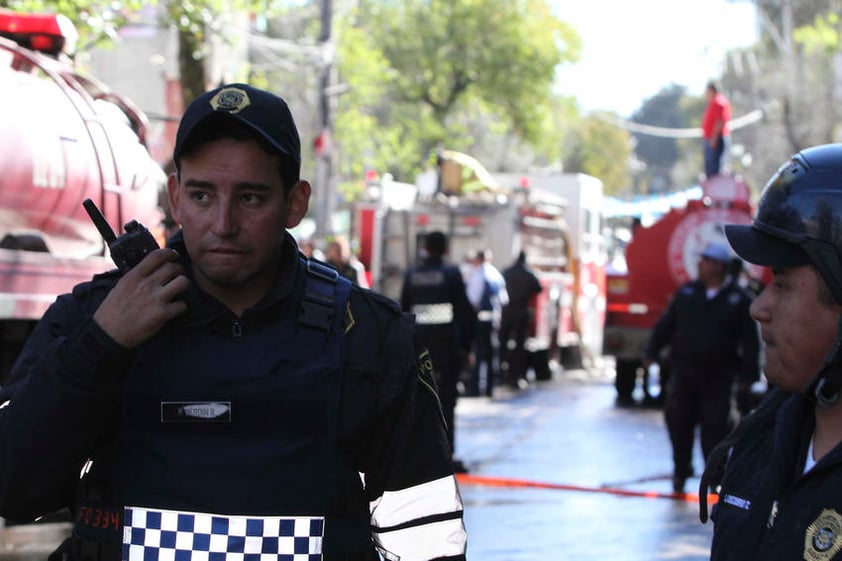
column 658, row 259
column 64, row 137
column 553, row 219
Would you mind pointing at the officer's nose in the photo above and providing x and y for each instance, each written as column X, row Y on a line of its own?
column 225, row 220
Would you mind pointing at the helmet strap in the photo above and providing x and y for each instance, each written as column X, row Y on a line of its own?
column 824, row 258
column 827, row 383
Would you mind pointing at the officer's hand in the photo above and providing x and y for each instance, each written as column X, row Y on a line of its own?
column 144, row 299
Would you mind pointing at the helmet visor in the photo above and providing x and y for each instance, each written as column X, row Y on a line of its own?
column 760, row 248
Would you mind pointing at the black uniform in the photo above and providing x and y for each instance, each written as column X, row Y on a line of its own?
column 522, row 285
column 237, row 428
column 768, row 508
column 444, row 319
column 713, row 343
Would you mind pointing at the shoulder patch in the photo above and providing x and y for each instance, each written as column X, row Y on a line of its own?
column 426, row 376
column 349, row 320
column 425, row 370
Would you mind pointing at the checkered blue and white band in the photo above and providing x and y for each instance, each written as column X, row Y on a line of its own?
column 166, row 535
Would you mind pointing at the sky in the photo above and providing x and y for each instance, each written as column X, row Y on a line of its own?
column 633, row 48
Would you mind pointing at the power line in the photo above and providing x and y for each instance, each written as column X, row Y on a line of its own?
column 749, row 118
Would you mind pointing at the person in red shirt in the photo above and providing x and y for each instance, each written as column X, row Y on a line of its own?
column 715, row 131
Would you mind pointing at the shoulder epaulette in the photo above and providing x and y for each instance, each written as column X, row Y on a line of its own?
column 325, row 298
column 317, row 308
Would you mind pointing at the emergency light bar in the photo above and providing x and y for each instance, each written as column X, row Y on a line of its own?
column 51, row 34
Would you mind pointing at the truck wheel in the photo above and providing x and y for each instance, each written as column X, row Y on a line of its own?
column 626, row 379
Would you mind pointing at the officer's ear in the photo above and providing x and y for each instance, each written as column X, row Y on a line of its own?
column 298, row 200
column 173, row 195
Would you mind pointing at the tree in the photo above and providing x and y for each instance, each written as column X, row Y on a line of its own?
column 96, row 20
column 600, row 149
column 442, row 63
column 789, row 75
column 660, row 153
column 196, row 21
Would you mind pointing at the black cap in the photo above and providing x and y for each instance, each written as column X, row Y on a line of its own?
column 761, row 248
column 263, row 112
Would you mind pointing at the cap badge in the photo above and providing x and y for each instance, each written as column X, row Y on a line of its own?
column 824, row 536
column 231, row 100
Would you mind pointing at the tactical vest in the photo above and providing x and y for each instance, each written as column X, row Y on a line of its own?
column 225, row 433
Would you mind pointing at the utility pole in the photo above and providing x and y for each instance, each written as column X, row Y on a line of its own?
column 324, row 189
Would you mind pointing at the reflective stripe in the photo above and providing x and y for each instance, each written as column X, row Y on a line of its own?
column 433, row 314
column 422, row 543
column 167, row 534
column 423, row 540
column 399, row 507
column 485, row 315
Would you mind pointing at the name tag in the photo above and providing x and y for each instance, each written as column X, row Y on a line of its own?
column 191, row 536
column 738, row 502
column 195, row 411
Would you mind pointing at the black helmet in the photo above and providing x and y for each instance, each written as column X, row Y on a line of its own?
column 799, row 217
column 799, row 222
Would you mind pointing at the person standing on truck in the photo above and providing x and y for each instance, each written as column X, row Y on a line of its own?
column 486, row 289
column 434, row 291
column 716, row 132
column 224, row 396
column 779, row 474
column 522, row 285
column 714, row 345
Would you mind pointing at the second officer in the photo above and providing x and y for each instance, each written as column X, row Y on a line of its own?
column 435, row 292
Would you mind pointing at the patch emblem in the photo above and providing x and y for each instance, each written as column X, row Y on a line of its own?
column 230, row 100
column 824, row 536
column 349, row 318
column 425, row 370
column 426, row 375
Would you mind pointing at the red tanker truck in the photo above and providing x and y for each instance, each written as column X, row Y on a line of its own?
column 64, row 138
column 658, row 259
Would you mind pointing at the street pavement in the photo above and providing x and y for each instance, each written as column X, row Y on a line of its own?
column 592, row 480
column 557, row 471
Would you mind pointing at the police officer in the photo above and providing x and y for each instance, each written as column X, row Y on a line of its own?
column 713, row 345
column 779, row 474
column 522, row 285
column 435, row 292
column 225, row 394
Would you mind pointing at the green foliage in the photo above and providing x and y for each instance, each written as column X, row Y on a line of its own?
column 822, row 36
column 598, row 148
column 437, row 64
column 96, row 20
column 663, row 110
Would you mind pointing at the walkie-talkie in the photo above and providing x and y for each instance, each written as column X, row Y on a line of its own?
column 126, row 249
